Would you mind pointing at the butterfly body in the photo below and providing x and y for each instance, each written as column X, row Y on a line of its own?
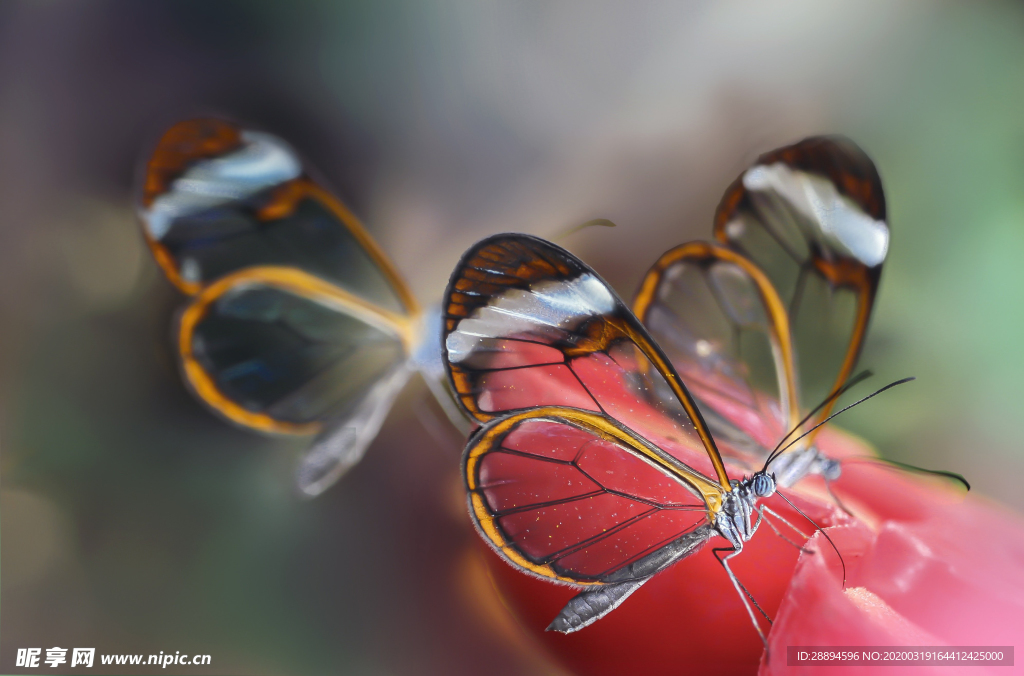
column 791, row 467
column 593, row 467
column 734, row 520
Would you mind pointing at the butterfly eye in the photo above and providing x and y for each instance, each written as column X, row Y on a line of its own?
column 763, row 485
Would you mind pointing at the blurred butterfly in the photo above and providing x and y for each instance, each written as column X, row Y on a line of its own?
column 297, row 322
column 579, row 475
column 791, row 279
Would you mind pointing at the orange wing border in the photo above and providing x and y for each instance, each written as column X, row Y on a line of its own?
column 294, row 281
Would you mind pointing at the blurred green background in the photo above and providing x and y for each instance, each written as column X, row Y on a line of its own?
column 134, row 521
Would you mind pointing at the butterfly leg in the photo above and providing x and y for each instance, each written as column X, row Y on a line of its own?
column 591, row 605
column 839, row 503
column 762, row 509
column 742, row 591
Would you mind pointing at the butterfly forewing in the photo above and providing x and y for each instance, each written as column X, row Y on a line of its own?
column 812, row 217
column 528, row 325
column 218, row 198
column 573, row 496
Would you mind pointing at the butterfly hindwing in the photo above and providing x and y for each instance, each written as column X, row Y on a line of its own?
column 345, row 438
column 725, row 329
column 575, row 497
column 281, row 351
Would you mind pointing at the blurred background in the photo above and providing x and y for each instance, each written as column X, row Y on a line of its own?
column 134, row 521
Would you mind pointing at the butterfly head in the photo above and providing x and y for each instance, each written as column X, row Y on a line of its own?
column 762, row 484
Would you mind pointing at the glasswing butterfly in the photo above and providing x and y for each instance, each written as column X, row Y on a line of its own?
column 297, row 322
column 578, row 474
column 779, row 302
column 594, row 466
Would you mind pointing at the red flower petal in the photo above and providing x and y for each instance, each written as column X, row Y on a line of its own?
column 936, row 573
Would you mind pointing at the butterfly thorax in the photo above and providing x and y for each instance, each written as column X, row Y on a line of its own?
column 794, row 465
column 734, row 520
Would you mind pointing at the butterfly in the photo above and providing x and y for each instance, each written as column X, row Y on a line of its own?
column 800, row 238
column 578, row 475
column 297, row 322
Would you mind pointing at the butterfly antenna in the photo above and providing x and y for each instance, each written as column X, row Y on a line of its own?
column 798, row 511
column 911, row 468
column 847, row 408
column 603, row 222
column 838, row 392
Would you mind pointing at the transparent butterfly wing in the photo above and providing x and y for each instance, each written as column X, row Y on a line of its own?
column 724, row 328
column 280, row 351
column 527, row 324
column 298, row 322
column 218, row 198
column 812, row 216
column 572, row 496
column 344, row 441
